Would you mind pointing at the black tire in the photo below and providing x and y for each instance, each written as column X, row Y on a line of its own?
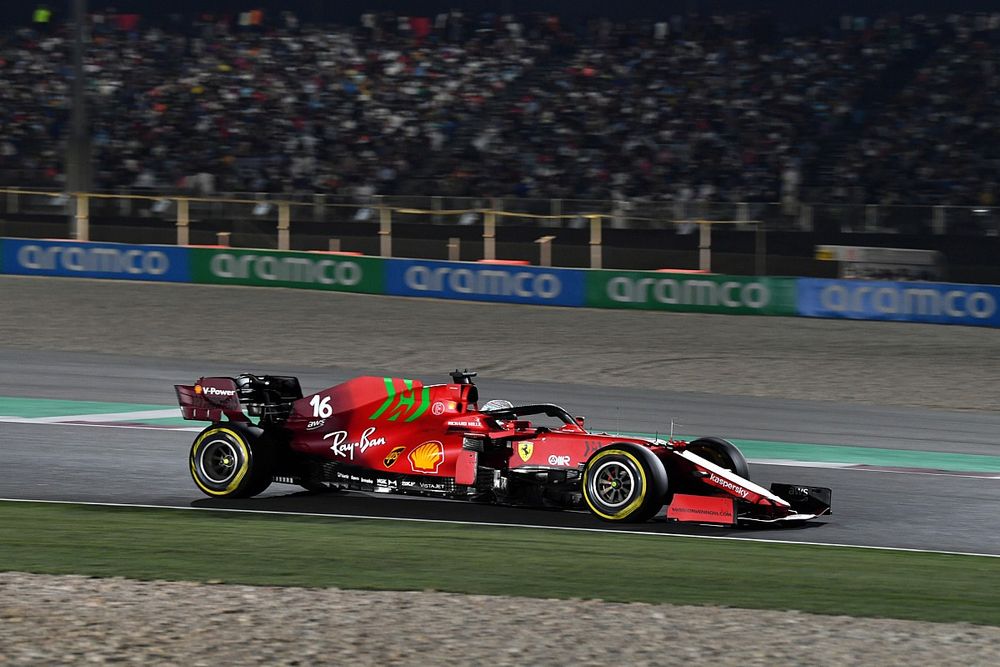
column 231, row 461
column 624, row 483
column 722, row 453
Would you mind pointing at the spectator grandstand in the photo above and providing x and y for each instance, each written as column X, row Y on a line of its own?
column 722, row 108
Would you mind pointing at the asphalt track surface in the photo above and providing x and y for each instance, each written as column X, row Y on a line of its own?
column 894, row 386
column 149, row 467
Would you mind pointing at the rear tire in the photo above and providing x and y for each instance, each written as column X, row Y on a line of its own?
column 231, row 460
column 624, row 483
column 722, row 453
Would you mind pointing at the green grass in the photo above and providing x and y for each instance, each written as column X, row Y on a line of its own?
column 367, row 554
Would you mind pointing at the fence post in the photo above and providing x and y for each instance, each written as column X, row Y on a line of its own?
column 454, row 249
column 489, row 235
column 183, row 223
column 705, row 246
column 760, row 263
column 284, row 224
column 806, row 218
column 545, row 250
column 595, row 241
column 436, row 207
column 938, row 220
column 743, row 214
column 319, row 207
column 871, row 217
column 618, row 214
column 384, row 230
column 82, row 217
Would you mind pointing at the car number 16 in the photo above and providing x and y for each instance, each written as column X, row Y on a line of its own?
column 321, row 406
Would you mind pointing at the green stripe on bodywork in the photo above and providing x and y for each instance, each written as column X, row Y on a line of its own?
column 390, row 394
column 405, row 401
column 425, row 399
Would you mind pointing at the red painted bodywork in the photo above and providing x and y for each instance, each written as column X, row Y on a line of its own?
column 372, row 416
column 396, row 426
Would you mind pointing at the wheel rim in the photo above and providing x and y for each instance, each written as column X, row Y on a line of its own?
column 613, row 484
column 219, row 461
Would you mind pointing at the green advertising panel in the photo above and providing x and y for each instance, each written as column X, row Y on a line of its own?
column 278, row 268
column 701, row 293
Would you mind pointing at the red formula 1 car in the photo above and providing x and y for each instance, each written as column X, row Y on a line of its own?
column 400, row 436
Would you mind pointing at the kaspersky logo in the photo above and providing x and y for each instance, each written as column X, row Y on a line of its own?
column 726, row 484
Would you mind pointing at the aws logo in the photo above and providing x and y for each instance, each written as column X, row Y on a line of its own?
column 427, row 458
column 391, row 457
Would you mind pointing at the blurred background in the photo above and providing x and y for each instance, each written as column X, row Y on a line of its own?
column 864, row 124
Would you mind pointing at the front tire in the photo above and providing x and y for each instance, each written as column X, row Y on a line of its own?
column 722, row 453
column 231, row 461
column 624, row 484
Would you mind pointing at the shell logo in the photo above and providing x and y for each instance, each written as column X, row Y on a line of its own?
column 197, row 389
column 427, row 458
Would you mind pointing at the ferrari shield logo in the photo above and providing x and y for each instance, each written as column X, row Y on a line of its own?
column 525, row 449
column 391, row 457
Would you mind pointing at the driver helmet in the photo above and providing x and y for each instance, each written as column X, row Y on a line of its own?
column 496, row 404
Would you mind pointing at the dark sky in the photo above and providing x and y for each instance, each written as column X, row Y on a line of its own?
column 347, row 11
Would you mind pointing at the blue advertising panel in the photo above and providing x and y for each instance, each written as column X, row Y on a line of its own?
column 122, row 261
column 940, row 303
column 474, row 281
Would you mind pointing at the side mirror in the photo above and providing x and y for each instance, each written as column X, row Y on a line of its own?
column 580, row 421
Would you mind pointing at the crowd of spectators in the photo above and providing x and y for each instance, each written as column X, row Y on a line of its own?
column 935, row 139
column 896, row 110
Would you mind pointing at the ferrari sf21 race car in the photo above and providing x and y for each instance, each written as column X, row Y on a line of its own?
column 395, row 435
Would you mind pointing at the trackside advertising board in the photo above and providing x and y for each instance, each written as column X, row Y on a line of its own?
column 473, row 281
column 121, row 261
column 278, row 268
column 940, row 303
column 654, row 290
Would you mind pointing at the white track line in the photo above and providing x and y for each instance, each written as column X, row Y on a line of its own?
column 497, row 525
column 103, row 417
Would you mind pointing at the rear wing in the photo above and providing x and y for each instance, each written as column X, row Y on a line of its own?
column 209, row 399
